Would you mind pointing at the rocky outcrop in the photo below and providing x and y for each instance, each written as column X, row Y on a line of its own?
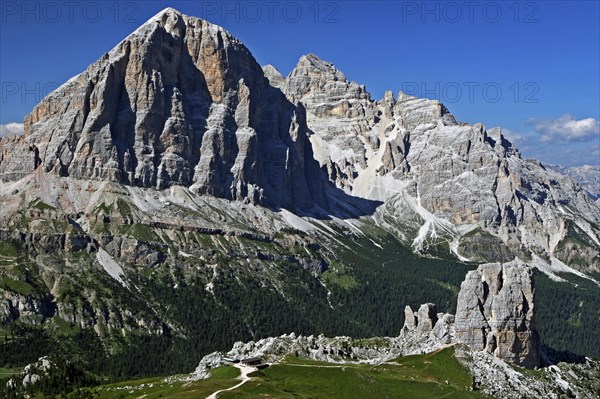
column 427, row 326
column 40, row 378
column 410, row 320
column 423, row 320
column 33, row 308
column 340, row 349
column 340, row 113
column 481, row 246
column 499, row 379
column 443, row 330
column 426, row 318
column 495, row 313
column 275, row 77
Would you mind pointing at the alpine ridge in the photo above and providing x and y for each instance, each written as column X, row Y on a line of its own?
column 442, row 180
column 177, row 197
column 182, row 102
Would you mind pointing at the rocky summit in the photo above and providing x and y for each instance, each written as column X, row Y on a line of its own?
column 177, row 197
column 178, row 102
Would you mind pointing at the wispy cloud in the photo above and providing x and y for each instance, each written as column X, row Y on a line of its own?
column 514, row 137
column 11, row 129
column 565, row 140
column 565, row 129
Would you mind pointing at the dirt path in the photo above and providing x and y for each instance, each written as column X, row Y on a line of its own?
column 245, row 370
column 321, row 366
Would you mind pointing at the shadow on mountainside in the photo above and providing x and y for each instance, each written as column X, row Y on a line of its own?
column 552, row 356
column 338, row 204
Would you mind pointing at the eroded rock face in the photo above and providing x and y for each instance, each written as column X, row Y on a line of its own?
column 443, row 330
column 178, row 102
column 182, row 102
column 427, row 317
column 427, row 325
column 275, row 77
column 415, row 156
column 410, row 320
column 27, row 308
column 495, row 313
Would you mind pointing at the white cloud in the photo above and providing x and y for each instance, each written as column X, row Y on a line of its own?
column 564, row 140
column 514, row 137
column 11, row 129
column 565, row 128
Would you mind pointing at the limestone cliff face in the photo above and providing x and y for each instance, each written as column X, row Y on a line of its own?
column 178, row 102
column 439, row 177
column 339, row 112
column 495, row 313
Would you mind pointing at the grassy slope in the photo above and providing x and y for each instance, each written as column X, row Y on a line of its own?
column 9, row 371
column 420, row 376
column 149, row 388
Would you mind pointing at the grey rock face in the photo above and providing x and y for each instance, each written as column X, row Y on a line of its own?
column 481, row 246
column 410, row 320
column 587, row 176
column 427, row 317
column 340, row 114
column 444, row 328
column 275, row 77
column 26, row 308
column 178, row 102
column 412, row 154
column 182, row 102
column 495, row 313
column 427, row 327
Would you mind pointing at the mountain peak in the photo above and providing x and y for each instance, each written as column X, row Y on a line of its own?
column 313, row 58
column 180, row 101
column 275, row 77
column 169, row 10
column 160, row 16
column 312, row 61
column 313, row 66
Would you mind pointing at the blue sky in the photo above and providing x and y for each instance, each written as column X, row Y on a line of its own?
column 531, row 67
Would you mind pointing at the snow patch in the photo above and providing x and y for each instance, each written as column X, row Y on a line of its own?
column 377, row 245
column 111, row 266
column 431, row 222
column 556, row 266
column 454, row 248
column 296, row 221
